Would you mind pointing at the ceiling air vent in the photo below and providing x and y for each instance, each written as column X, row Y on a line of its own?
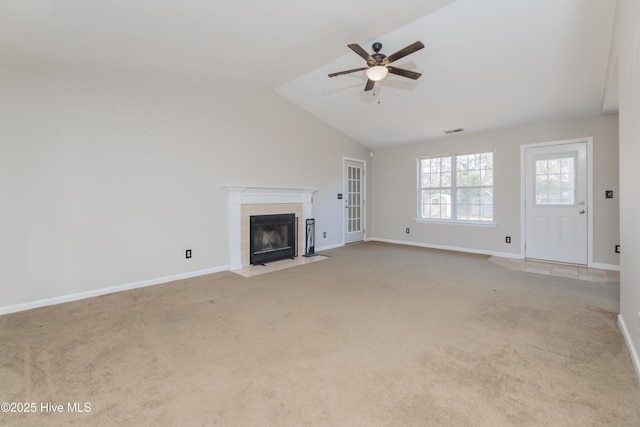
column 453, row 131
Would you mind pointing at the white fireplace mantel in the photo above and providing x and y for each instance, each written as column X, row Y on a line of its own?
column 238, row 196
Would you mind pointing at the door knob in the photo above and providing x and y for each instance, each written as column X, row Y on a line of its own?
column 582, row 212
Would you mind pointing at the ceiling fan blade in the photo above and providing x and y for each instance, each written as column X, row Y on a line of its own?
column 404, row 73
column 339, row 73
column 361, row 52
column 369, row 85
column 403, row 52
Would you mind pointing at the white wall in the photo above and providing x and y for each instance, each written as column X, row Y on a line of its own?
column 394, row 187
column 106, row 179
column 628, row 26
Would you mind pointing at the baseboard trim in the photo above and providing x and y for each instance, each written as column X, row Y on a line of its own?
column 326, row 248
column 601, row 266
column 449, row 248
column 630, row 346
column 104, row 291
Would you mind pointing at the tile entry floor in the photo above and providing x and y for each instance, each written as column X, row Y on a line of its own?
column 562, row 270
column 531, row 266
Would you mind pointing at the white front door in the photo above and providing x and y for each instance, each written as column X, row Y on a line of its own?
column 556, row 203
column 353, row 201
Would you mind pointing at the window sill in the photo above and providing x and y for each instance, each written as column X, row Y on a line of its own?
column 451, row 222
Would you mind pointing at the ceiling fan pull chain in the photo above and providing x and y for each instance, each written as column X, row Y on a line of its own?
column 378, row 94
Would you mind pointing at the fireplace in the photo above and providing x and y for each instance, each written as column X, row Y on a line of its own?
column 243, row 202
column 272, row 237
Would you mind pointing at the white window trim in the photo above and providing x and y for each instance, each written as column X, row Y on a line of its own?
column 472, row 223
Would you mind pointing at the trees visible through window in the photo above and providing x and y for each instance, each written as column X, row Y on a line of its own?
column 556, row 181
column 457, row 187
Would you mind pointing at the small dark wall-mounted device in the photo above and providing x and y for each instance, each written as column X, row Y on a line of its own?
column 608, row 194
column 339, row 196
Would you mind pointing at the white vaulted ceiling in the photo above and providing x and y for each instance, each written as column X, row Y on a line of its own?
column 486, row 64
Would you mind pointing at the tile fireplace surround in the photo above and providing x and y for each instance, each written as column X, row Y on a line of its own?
column 242, row 202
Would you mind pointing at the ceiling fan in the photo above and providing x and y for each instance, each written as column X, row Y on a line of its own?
column 378, row 63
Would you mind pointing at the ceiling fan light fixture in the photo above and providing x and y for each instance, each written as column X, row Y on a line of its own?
column 377, row 73
column 376, row 69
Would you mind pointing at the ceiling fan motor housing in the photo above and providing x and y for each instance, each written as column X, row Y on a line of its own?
column 377, row 56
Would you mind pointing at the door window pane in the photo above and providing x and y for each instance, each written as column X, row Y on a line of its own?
column 555, row 181
column 354, row 197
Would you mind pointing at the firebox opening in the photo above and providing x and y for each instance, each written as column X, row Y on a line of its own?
column 272, row 238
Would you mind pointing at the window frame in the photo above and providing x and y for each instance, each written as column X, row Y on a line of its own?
column 573, row 173
column 454, row 190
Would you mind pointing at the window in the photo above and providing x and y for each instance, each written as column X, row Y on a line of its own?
column 555, row 180
column 458, row 187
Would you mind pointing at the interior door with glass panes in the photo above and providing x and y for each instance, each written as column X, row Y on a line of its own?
column 556, row 203
column 354, row 201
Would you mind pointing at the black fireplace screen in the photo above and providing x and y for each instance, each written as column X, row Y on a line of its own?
column 272, row 237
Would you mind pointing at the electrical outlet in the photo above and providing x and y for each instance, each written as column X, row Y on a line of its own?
column 188, row 253
column 324, row 235
column 507, row 239
column 407, row 230
column 617, row 249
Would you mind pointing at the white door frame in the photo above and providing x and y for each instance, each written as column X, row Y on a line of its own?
column 364, row 196
column 589, row 141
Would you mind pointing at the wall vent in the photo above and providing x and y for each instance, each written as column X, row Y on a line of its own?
column 453, row 131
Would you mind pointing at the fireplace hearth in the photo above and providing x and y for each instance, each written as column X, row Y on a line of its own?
column 272, row 238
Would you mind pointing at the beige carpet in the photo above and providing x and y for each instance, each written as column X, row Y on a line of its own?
column 377, row 335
